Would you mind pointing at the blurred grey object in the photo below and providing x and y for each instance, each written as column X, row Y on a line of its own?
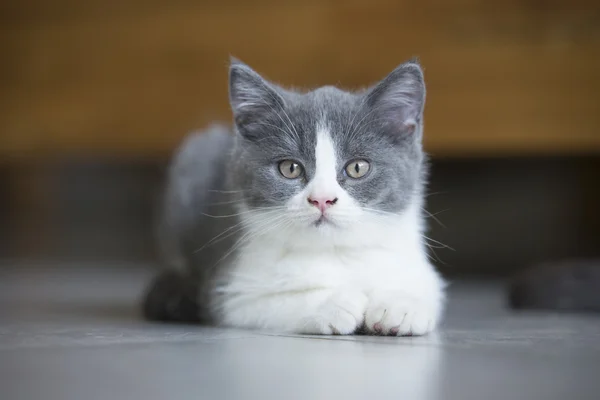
column 561, row 286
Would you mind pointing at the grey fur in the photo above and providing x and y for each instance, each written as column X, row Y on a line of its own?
column 214, row 171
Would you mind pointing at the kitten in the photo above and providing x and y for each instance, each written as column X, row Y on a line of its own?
column 308, row 218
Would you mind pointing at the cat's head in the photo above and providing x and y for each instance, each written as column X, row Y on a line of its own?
column 328, row 159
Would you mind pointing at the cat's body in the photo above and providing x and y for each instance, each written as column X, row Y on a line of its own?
column 307, row 218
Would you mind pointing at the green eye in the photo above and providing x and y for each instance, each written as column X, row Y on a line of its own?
column 357, row 168
column 290, row 169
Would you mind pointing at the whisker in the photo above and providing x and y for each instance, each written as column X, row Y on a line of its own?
column 273, row 126
column 219, row 203
column 289, row 129
column 270, row 224
column 291, row 123
column 433, row 216
column 360, row 123
column 437, row 258
column 240, row 226
column 444, row 246
column 439, row 212
column 382, row 216
column 431, row 246
column 435, row 193
column 380, row 212
column 291, row 126
column 226, row 191
column 216, row 239
column 350, row 125
column 251, row 211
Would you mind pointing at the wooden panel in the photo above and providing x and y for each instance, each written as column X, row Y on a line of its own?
column 517, row 77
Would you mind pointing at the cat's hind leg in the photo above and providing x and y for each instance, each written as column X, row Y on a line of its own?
column 172, row 297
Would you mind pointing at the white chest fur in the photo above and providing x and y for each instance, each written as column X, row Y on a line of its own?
column 277, row 280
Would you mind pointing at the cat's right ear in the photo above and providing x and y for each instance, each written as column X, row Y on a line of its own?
column 252, row 98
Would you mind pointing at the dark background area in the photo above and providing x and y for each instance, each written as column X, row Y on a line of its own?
column 497, row 215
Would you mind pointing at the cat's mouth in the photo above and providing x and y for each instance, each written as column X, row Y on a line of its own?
column 323, row 221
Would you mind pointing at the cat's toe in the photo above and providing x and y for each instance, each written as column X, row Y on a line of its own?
column 400, row 317
column 331, row 322
column 342, row 314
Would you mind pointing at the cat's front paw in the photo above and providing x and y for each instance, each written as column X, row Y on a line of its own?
column 399, row 315
column 342, row 314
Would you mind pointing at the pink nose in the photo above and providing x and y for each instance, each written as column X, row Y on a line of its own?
column 322, row 203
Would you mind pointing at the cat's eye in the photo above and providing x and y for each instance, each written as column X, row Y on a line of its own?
column 290, row 169
column 357, row 168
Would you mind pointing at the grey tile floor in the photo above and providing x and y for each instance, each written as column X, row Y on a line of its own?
column 73, row 332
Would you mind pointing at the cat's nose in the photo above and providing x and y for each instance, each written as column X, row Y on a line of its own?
column 322, row 203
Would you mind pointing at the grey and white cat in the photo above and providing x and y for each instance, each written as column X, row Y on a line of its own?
column 308, row 218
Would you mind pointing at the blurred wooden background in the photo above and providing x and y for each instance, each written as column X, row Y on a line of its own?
column 516, row 77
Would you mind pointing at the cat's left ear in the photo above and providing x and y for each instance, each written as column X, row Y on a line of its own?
column 399, row 99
